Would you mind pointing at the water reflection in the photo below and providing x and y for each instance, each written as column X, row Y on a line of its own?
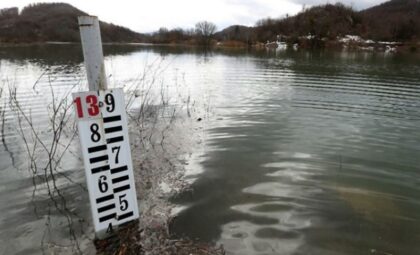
column 314, row 147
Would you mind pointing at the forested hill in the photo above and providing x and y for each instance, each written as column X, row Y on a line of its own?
column 324, row 21
column 53, row 22
column 393, row 20
column 398, row 19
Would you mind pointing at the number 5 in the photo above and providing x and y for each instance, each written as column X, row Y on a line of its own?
column 123, row 203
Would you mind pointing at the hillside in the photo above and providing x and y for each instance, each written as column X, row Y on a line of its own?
column 53, row 22
column 236, row 32
column 324, row 21
column 393, row 20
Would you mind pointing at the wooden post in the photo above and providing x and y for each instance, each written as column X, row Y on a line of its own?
column 90, row 36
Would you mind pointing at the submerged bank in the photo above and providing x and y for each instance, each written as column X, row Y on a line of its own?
column 160, row 161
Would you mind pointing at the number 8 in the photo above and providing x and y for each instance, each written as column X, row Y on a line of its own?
column 95, row 137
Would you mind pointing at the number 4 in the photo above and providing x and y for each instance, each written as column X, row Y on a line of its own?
column 117, row 148
column 109, row 229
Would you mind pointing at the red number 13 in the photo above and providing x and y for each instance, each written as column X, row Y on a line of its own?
column 93, row 108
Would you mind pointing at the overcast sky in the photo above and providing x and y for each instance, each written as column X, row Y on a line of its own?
column 150, row 15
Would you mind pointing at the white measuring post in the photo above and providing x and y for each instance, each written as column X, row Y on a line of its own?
column 103, row 132
column 90, row 35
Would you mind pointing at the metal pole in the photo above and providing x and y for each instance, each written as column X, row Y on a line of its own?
column 90, row 36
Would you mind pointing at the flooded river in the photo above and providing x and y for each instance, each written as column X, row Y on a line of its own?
column 302, row 152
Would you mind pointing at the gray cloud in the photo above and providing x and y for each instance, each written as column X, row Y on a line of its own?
column 255, row 7
column 357, row 4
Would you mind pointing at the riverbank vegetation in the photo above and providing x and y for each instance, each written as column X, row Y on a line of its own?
column 315, row 27
column 160, row 118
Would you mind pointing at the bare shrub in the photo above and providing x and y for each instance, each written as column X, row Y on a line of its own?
column 45, row 150
column 157, row 109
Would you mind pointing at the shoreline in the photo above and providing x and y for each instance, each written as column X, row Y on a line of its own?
column 305, row 44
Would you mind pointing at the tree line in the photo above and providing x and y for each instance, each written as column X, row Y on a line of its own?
column 202, row 34
column 395, row 20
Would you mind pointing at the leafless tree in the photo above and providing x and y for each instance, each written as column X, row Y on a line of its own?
column 205, row 31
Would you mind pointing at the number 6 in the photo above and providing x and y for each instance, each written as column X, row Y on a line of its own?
column 103, row 186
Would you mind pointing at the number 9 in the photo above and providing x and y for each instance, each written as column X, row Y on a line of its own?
column 109, row 100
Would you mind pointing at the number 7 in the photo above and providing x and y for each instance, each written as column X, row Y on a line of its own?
column 117, row 148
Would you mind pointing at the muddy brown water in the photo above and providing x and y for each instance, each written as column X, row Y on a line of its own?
column 303, row 152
